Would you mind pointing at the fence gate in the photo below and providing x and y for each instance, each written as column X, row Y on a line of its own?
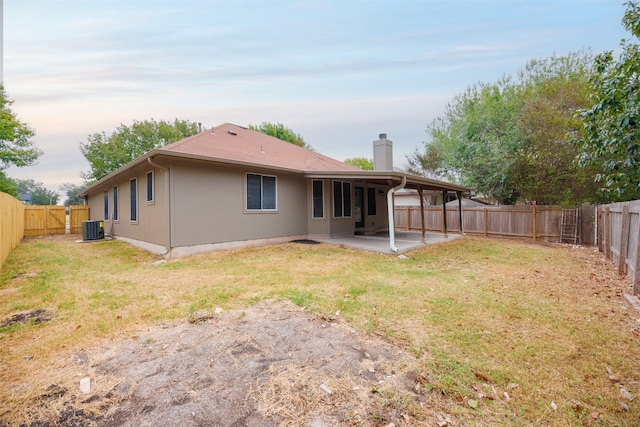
column 77, row 214
column 44, row 220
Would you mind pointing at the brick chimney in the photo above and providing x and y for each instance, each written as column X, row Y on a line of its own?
column 383, row 154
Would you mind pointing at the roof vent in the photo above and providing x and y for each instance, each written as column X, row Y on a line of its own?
column 230, row 132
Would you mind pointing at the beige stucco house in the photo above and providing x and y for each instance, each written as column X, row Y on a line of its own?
column 231, row 186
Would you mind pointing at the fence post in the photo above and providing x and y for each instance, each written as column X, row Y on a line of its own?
column 486, row 220
column 533, row 216
column 624, row 238
column 606, row 233
column 598, row 227
column 636, row 275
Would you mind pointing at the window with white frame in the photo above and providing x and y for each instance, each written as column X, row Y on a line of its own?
column 341, row 199
column 261, row 192
column 318, row 199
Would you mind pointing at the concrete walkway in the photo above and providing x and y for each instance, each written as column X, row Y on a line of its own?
column 379, row 242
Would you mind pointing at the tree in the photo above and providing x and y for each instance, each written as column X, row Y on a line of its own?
column 553, row 90
column 510, row 141
column 476, row 141
column 611, row 142
column 72, row 191
column 16, row 147
column 280, row 131
column 108, row 153
column 7, row 185
column 360, row 162
column 39, row 194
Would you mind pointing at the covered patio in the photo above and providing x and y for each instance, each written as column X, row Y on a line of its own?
column 392, row 240
column 379, row 242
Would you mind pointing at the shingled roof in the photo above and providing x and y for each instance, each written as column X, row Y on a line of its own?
column 229, row 142
column 237, row 145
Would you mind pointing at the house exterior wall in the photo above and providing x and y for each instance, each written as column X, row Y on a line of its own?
column 380, row 220
column 151, row 217
column 319, row 226
column 209, row 206
column 331, row 226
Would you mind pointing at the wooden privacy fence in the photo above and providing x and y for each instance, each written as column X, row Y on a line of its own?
column 619, row 238
column 536, row 222
column 11, row 224
column 77, row 214
column 47, row 220
column 44, row 220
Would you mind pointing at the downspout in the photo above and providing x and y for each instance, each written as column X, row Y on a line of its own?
column 392, row 230
column 422, row 226
column 167, row 253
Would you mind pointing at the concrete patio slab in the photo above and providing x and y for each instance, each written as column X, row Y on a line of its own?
column 379, row 242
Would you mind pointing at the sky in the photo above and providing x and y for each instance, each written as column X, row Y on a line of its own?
column 338, row 73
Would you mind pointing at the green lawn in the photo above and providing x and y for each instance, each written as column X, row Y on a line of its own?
column 535, row 334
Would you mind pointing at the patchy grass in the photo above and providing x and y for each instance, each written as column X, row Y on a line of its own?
column 506, row 332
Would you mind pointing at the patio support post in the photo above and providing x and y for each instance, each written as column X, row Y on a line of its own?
column 444, row 213
column 459, row 196
column 424, row 240
column 390, row 210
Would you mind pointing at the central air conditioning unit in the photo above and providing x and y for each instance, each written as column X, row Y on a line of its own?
column 92, row 230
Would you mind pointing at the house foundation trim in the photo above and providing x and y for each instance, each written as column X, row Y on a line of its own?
column 183, row 251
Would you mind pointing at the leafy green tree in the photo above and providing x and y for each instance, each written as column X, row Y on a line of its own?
column 476, row 141
column 72, row 191
column 108, row 153
column 7, row 185
column 39, row 194
column 42, row 196
column 280, row 131
column 546, row 171
column 16, row 146
column 611, row 142
column 360, row 162
column 509, row 140
column 26, row 186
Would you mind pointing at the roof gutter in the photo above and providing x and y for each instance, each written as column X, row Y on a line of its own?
column 167, row 189
column 390, row 209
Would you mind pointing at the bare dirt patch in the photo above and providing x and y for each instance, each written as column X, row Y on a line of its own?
column 36, row 316
column 268, row 365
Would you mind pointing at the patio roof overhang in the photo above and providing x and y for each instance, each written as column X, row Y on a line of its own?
column 392, row 179
column 396, row 181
